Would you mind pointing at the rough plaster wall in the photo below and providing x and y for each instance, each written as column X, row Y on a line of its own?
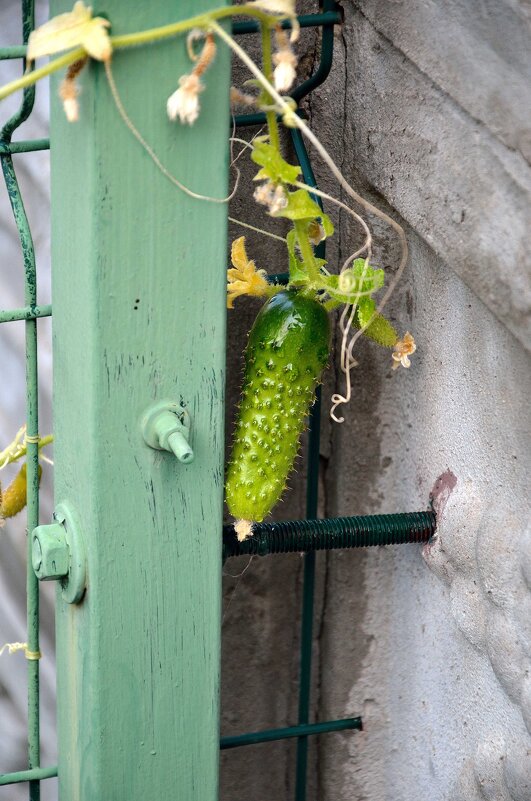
column 430, row 120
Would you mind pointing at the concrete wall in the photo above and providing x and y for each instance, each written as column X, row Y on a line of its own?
column 426, row 111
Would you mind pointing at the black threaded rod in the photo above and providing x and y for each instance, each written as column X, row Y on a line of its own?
column 289, row 536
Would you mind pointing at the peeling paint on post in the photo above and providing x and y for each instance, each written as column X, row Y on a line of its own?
column 139, row 316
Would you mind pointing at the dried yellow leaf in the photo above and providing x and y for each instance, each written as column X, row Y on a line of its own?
column 76, row 28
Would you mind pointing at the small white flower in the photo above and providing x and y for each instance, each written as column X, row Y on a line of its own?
column 284, row 73
column 71, row 109
column 184, row 103
column 402, row 350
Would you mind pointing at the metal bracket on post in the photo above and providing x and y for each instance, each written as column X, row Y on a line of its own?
column 166, row 427
column 58, row 554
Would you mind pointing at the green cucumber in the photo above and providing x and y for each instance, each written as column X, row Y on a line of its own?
column 287, row 351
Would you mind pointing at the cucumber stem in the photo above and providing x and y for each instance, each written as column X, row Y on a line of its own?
column 308, row 258
column 267, row 100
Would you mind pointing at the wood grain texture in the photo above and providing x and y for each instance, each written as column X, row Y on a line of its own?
column 139, row 315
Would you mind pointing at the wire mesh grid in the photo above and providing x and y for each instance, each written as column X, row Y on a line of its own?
column 309, row 535
column 30, row 312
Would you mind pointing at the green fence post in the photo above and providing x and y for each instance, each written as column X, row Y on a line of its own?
column 139, row 317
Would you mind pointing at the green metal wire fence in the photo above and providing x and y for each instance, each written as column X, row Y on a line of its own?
column 306, row 536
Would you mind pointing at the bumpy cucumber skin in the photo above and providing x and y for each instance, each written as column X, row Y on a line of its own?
column 14, row 497
column 287, row 351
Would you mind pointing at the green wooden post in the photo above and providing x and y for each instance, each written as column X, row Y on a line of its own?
column 139, row 316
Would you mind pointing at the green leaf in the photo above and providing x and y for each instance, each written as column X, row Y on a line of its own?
column 300, row 206
column 327, row 224
column 298, row 275
column 358, row 269
column 380, row 330
column 274, row 168
column 357, row 279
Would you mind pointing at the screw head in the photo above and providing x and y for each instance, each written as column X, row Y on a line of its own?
column 36, row 554
column 50, row 554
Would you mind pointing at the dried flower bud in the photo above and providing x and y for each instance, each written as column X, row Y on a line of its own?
column 238, row 98
column 274, row 197
column 286, row 63
column 207, row 55
column 184, row 103
column 69, row 90
column 316, row 232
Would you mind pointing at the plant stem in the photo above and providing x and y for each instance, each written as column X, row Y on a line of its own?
column 258, row 230
column 135, row 39
column 199, row 21
column 292, row 119
column 308, row 258
column 267, row 100
column 16, row 454
column 30, row 78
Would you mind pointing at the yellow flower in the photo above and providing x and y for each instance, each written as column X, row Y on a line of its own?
column 244, row 278
column 402, row 350
column 76, row 28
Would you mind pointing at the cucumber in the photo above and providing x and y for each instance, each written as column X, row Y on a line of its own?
column 14, row 498
column 287, row 351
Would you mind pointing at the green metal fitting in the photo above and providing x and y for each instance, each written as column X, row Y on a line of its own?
column 166, row 427
column 308, row 536
column 49, row 552
column 58, row 554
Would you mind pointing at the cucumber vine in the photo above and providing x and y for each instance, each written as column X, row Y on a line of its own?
column 313, row 290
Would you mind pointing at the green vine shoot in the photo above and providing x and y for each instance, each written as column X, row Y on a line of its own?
column 289, row 344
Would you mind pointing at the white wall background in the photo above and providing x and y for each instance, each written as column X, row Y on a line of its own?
column 33, row 173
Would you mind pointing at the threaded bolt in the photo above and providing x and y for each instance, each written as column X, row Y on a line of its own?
column 292, row 536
